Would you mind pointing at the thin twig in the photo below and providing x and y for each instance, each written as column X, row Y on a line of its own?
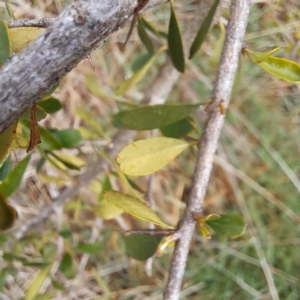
column 43, row 23
column 208, row 142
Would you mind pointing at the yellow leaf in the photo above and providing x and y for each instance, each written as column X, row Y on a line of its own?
column 70, row 161
column 6, row 139
column 134, row 207
column 22, row 36
column 147, row 156
column 107, row 211
column 37, row 283
column 20, row 141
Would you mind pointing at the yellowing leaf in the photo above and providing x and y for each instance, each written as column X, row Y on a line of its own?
column 282, row 68
column 95, row 88
column 147, row 156
column 22, row 36
column 37, row 283
column 107, row 211
column 259, row 56
column 176, row 50
column 70, row 161
column 20, row 141
column 138, row 76
column 7, row 214
column 134, row 207
column 6, row 139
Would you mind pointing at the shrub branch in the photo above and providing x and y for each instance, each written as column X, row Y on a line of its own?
column 208, row 142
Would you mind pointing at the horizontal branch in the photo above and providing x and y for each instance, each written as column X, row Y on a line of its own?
column 44, row 23
column 82, row 27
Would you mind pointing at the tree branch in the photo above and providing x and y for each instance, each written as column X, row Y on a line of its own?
column 208, row 142
column 157, row 93
column 82, row 27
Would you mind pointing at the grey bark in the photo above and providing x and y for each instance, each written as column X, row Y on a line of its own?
column 208, row 142
column 82, row 27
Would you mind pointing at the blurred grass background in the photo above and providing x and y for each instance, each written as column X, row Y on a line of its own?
column 255, row 174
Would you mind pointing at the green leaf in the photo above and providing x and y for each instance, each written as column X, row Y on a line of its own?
column 227, row 225
column 8, row 214
column 138, row 76
column 49, row 141
column 40, row 114
column 146, row 40
column 37, row 282
column 66, row 266
column 203, row 30
column 140, row 62
column 94, row 87
column 68, row 138
column 6, row 138
column 14, row 178
column 5, row 43
column 177, row 129
column 94, row 248
column 147, row 156
column 106, row 185
column 10, row 13
column 176, row 50
column 5, row 168
column 50, row 105
column 150, row 27
column 141, row 247
column 148, row 117
column 134, row 207
column 107, row 211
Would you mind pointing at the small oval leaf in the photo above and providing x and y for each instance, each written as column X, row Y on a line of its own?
column 148, row 117
column 176, row 50
column 141, row 247
column 50, row 105
column 147, row 156
column 203, row 30
column 228, row 225
column 177, row 129
column 134, row 207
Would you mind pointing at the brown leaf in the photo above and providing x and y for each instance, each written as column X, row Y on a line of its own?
column 35, row 137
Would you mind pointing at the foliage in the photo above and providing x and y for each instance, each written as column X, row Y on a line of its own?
column 256, row 169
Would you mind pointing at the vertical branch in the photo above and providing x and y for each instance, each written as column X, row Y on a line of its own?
column 208, row 142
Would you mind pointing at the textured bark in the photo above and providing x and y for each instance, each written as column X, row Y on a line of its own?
column 82, row 27
column 208, row 143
